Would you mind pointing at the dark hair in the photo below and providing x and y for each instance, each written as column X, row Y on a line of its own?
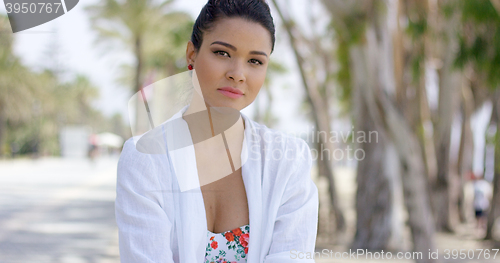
column 253, row 10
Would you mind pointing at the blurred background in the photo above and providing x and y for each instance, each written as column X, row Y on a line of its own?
column 399, row 101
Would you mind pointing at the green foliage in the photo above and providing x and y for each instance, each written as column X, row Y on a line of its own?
column 417, row 61
column 479, row 41
column 155, row 35
column 350, row 32
column 275, row 68
column 416, row 28
column 478, row 11
column 165, row 45
column 49, row 106
column 344, row 73
column 35, row 105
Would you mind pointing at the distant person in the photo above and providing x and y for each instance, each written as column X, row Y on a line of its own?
column 92, row 153
column 482, row 196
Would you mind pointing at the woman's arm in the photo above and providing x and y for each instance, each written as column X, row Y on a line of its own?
column 295, row 228
column 144, row 227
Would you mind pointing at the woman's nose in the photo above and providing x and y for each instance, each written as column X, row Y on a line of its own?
column 236, row 72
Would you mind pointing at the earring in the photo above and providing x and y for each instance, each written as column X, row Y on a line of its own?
column 190, row 67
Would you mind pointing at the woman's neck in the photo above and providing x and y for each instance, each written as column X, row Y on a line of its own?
column 212, row 121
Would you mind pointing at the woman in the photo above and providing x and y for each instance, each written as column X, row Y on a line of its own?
column 242, row 195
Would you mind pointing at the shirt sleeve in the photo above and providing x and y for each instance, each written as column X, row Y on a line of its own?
column 144, row 227
column 295, row 228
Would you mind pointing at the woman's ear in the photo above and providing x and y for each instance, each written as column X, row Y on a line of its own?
column 190, row 53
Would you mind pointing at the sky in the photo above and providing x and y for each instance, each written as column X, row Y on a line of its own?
column 80, row 55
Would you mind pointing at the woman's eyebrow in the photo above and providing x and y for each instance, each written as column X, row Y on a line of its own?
column 234, row 48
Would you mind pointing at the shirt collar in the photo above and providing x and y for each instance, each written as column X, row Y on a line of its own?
column 181, row 150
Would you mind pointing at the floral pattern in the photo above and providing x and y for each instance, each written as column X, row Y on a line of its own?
column 228, row 247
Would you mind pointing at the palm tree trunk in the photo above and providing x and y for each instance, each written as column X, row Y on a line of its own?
column 494, row 212
column 405, row 141
column 420, row 218
column 321, row 119
column 409, row 153
column 2, row 127
column 445, row 192
column 141, row 121
column 448, row 88
column 373, row 195
column 377, row 56
column 464, row 162
column 138, row 63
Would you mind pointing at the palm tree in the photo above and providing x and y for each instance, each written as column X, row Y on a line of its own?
column 127, row 22
column 317, row 99
column 363, row 26
column 16, row 83
column 480, row 53
column 155, row 35
column 165, row 49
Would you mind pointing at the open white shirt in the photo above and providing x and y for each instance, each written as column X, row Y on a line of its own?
column 161, row 214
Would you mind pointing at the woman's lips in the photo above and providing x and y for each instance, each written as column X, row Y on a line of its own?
column 228, row 92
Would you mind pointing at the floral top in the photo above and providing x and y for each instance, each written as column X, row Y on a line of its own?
column 228, row 247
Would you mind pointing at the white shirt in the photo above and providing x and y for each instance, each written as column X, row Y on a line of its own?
column 161, row 214
column 482, row 194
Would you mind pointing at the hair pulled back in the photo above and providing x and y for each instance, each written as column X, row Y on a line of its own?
column 253, row 10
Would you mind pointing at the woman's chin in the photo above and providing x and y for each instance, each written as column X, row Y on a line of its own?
column 225, row 104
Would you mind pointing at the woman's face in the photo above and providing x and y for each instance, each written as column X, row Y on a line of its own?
column 235, row 54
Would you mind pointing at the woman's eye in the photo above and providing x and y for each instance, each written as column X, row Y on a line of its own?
column 255, row 61
column 222, row 53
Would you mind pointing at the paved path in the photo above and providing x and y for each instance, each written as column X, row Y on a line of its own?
column 58, row 210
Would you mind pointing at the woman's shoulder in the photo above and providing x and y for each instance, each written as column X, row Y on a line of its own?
column 136, row 165
column 136, row 148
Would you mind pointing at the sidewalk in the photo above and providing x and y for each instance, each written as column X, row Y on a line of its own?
column 56, row 210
